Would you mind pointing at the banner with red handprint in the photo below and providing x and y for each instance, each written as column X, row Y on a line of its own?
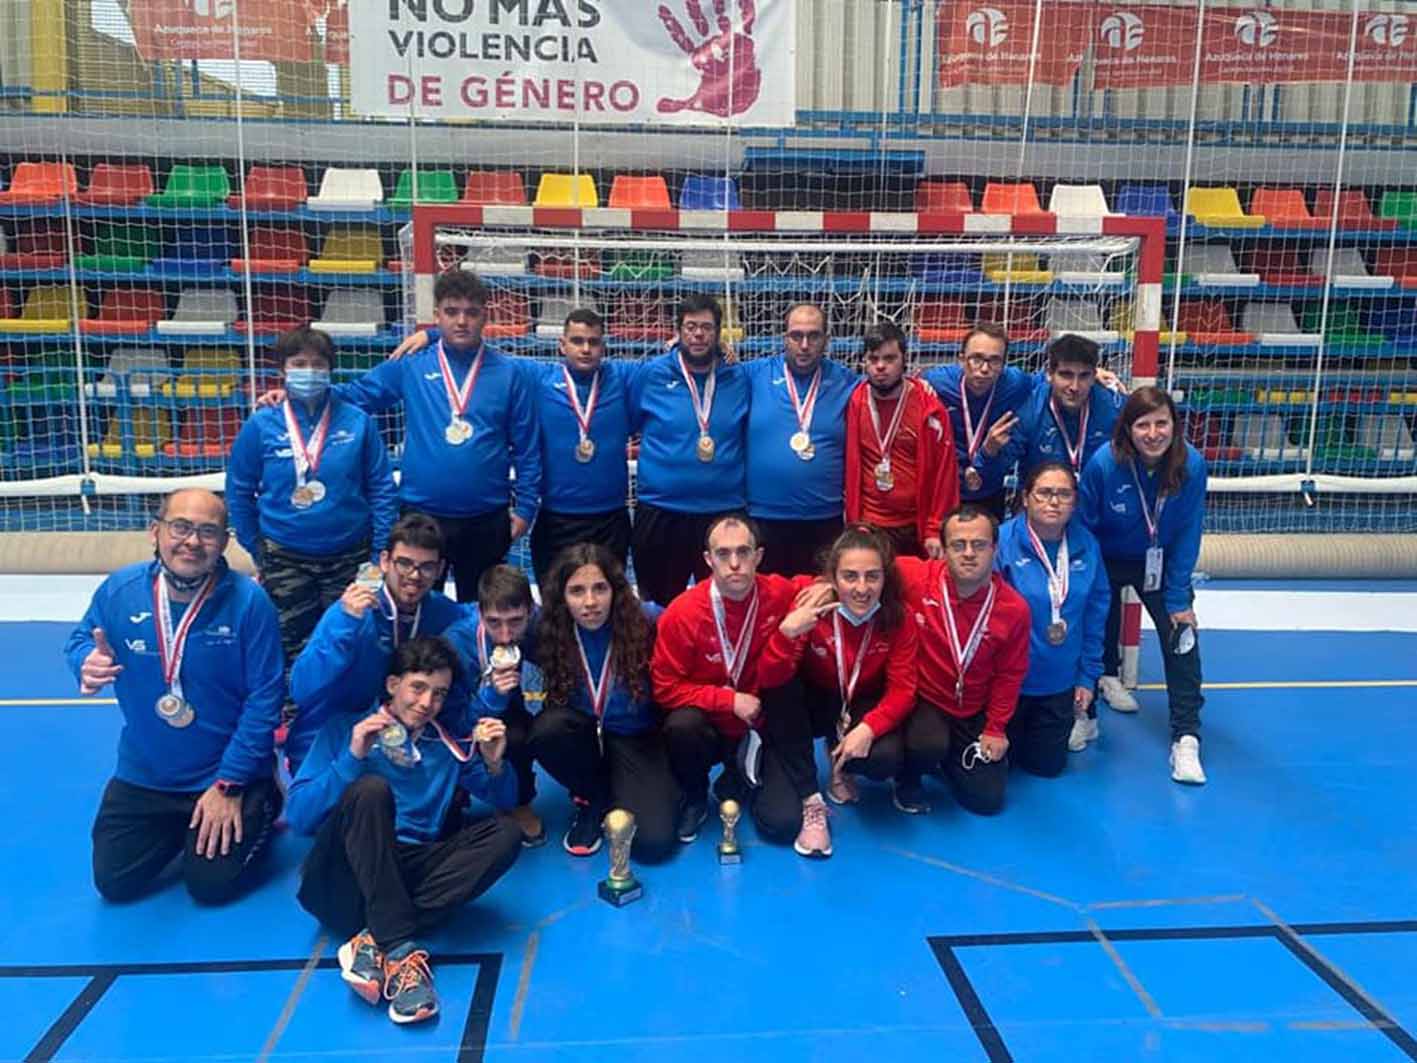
column 687, row 62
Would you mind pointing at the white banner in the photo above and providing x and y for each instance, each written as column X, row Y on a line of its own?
column 686, row 62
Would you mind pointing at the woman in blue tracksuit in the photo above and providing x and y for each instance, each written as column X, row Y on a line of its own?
column 1056, row 564
column 1144, row 499
column 598, row 732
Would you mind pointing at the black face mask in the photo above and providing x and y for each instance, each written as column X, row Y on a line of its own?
column 179, row 583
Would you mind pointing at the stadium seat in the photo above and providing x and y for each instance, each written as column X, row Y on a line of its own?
column 641, row 266
column 1274, row 326
column 640, row 317
column 1078, row 201
column 47, row 308
column 206, row 432
column 205, row 374
column 350, row 249
column 272, row 188
column 197, row 250
column 494, row 186
column 1349, row 269
column 722, row 265
column 1205, row 432
column 36, row 184
column 943, row 197
column 551, row 315
column 568, row 265
column 1089, row 270
column 193, row 187
column 141, row 367
column 1015, row 268
column 121, row 248
column 1387, row 434
column 566, row 190
column 1262, row 437
column 126, row 312
column 201, row 311
column 113, row 185
column 1400, row 207
column 45, row 379
column 508, row 315
column 39, row 243
column 352, row 312
column 1122, row 320
column 1354, row 211
column 1152, row 201
column 1283, row 269
column 274, row 249
column 1213, row 264
column 346, row 189
column 941, row 321
column 639, row 193
column 1207, row 322
column 707, row 192
column 274, row 312
column 1019, row 319
column 1284, row 208
column 434, row 186
column 947, row 268
column 1220, row 208
column 1005, row 198
column 1399, row 263
column 150, row 428
column 1345, row 326
column 497, row 260
column 1080, row 317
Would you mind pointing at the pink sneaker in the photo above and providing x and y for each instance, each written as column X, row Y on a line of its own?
column 842, row 789
column 815, row 838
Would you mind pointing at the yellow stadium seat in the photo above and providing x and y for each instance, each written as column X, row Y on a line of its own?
column 151, row 429
column 1122, row 318
column 1016, row 269
column 206, row 374
column 566, row 190
column 47, row 309
column 350, row 249
column 1220, row 208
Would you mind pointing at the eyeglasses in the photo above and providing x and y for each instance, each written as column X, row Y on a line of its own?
column 797, row 336
column 406, row 566
column 182, row 530
column 701, row 328
column 1054, row 494
column 979, row 361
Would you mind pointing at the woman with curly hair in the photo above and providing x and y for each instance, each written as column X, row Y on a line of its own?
column 598, row 732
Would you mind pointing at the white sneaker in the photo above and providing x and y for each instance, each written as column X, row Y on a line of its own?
column 1084, row 731
column 1115, row 694
column 1186, row 760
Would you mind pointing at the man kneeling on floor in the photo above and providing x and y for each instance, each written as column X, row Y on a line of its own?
column 393, row 852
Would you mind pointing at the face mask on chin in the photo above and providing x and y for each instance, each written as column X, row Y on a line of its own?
column 854, row 620
column 176, row 581
column 307, row 385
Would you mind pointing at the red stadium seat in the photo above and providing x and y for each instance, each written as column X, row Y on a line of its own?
column 206, row 432
column 943, row 197
column 1354, row 210
column 127, row 311
column 1283, row 268
column 40, row 243
column 274, row 250
column 1399, row 263
column 1207, row 322
column 501, row 187
column 508, row 314
column 276, row 312
column 941, row 321
column 272, row 188
column 637, row 317
column 1004, row 198
column 112, row 185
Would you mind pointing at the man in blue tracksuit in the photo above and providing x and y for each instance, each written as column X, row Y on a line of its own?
column 983, row 396
column 797, row 445
column 193, row 652
column 691, row 410
column 347, row 657
column 393, row 853
column 470, row 416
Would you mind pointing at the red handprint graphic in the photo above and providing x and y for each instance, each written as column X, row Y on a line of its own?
column 727, row 64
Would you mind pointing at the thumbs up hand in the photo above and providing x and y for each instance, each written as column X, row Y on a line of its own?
column 99, row 667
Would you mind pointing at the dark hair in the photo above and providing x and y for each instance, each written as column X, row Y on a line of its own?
column 426, row 655
column 697, row 303
column 503, row 587
column 826, row 326
column 1142, row 401
column 985, row 328
column 1073, row 349
column 881, row 333
column 631, row 634
column 166, row 501
column 968, row 511
column 1031, row 477
column 302, row 340
column 867, row 537
column 417, row 530
column 736, row 517
column 584, row 315
column 460, row 284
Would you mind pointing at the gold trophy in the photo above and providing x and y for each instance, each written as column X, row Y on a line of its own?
column 620, row 886
column 729, row 851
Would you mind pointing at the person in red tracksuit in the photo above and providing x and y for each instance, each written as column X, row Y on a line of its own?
column 901, row 473
column 858, row 663
column 965, row 612
column 724, row 670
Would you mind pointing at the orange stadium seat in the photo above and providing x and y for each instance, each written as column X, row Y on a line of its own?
column 1284, row 208
column 39, row 183
column 1003, row 198
column 943, row 197
column 644, row 193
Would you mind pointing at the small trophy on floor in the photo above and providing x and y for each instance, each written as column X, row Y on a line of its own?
column 729, row 851
column 620, row 887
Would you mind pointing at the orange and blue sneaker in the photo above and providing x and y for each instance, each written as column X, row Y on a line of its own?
column 408, row 984
column 361, row 965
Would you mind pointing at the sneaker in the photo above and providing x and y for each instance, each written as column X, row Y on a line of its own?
column 361, row 965
column 815, row 837
column 1111, row 690
column 908, row 796
column 1084, row 731
column 692, row 813
column 533, row 831
column 842, row 789
column 583, row 837
column 408, row 985
column 1186, row 760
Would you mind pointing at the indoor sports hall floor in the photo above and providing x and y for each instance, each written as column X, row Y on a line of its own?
column 1109, row 914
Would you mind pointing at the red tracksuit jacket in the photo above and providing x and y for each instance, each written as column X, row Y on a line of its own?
column 887, row 673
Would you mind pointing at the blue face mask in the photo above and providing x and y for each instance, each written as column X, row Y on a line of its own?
column 307, row 384
column 854, row 620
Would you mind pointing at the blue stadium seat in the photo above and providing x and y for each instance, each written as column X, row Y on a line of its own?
column 702, row 192
column 947, row 268
column 1148, row 200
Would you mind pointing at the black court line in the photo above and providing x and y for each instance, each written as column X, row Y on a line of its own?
column 471, row 1047
column 992, row 1041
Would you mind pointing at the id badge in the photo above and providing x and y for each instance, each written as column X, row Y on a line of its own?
column 1152, row 580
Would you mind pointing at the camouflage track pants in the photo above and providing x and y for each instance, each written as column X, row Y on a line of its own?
column 303, row 587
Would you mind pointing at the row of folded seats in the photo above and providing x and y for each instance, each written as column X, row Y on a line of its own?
column 1273, row 437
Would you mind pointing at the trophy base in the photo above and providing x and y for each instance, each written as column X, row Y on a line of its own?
column 734, row 857
column 620, row 896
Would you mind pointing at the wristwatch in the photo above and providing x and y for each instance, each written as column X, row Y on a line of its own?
column 230, row 789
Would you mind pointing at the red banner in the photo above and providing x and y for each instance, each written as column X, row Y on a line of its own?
column 275, row 30
column 991, row 43
column 337, row 34
column 1142, row 47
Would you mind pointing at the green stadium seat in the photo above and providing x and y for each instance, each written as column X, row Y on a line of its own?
column 1400, row 207
column 193, row 187
column 434, row 186
column 118, row 247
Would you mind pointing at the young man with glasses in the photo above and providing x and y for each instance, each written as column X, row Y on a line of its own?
column 347, row 657
column 184, row 641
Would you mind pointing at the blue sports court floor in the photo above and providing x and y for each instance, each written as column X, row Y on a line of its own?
column 1109, row 914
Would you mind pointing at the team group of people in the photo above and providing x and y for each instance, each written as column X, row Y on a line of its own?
column 817, row 555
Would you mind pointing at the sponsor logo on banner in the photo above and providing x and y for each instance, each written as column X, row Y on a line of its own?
column 988, row 27
column 1123, row 30
column 1258, row 29
column 599, row 61
column 273, row 30
column 1388, row 30
column 992, row 44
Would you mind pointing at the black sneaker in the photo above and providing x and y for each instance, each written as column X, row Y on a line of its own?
column 583, row 836
column 908, row 796
column 692, row 813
